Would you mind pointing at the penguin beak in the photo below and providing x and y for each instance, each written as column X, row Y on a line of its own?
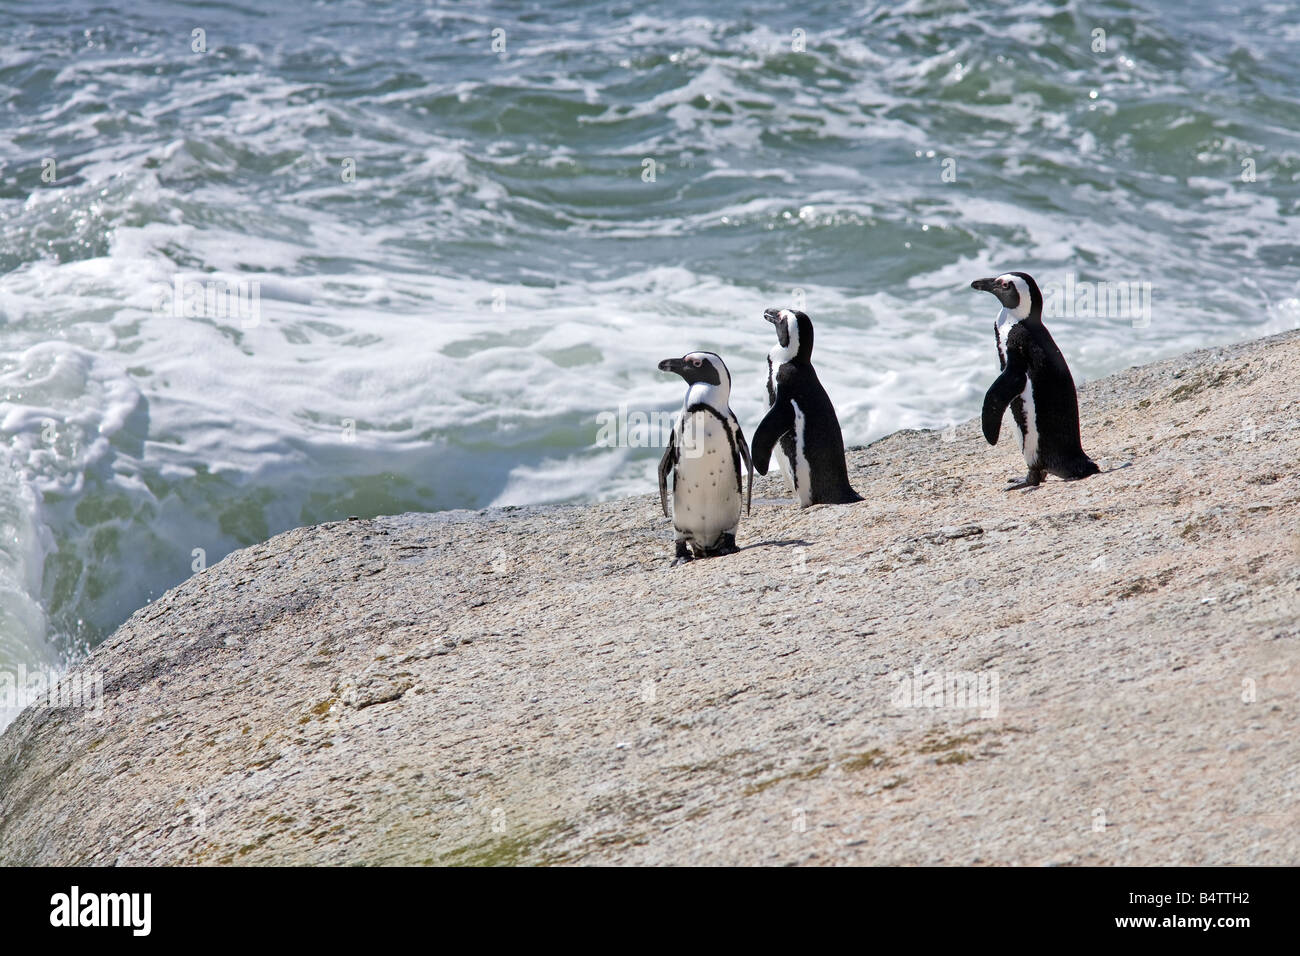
column 674, row 365
column 983, row 285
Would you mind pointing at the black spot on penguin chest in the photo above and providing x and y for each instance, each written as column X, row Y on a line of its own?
column 703, row 425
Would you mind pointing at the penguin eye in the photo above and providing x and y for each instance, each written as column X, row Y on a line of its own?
column 696, row 362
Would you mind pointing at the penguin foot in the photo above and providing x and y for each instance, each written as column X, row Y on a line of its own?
column 845, row 497
column 1032, row 480
column 726, row 545
column 683, row 555
column 1083, row 470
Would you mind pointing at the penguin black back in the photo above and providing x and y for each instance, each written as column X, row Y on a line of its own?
column 1035, row 383
column 801, row 417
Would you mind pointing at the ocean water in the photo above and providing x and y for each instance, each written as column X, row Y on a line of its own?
column 266, row 265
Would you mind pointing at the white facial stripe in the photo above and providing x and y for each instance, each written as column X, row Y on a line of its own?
column 1021, row 311
column 784, row 353
column 725, row 378
column 718, row 396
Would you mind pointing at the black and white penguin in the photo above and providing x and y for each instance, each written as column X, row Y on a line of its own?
column 703, row 456
column 800, row 424
column 1035, row 382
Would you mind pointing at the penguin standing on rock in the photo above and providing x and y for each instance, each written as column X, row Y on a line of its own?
column 801, row 425
column 1035, row 382
column 703, row 456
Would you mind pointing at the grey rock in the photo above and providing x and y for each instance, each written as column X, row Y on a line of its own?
column 396, row 691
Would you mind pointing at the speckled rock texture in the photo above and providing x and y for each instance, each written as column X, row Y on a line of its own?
column 536, row 686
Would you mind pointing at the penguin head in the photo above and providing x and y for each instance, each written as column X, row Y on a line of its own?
column 703, row 371
column 1018, row 293
column 794, row 332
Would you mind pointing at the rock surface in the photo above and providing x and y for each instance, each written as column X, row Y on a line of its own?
column 537, row 686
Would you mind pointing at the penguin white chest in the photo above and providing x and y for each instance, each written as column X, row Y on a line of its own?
column 706, row 499
column 1029, row 441
column 1003, row 326
column 774, row 361
column 783, row 463
column 802, row 470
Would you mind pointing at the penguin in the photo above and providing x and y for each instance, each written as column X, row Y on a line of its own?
column 704, row 456
column 1035, row 382
column 801, row 419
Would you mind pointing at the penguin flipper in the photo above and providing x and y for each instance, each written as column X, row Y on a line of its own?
column 666, row 464
column 749, row 465
column 778, row 420
column 1000, row 394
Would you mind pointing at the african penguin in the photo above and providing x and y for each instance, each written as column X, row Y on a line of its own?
column 1035, row 382
column 800, row 423
column 703, row 455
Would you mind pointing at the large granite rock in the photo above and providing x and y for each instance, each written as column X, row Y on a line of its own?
column 537, row 686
